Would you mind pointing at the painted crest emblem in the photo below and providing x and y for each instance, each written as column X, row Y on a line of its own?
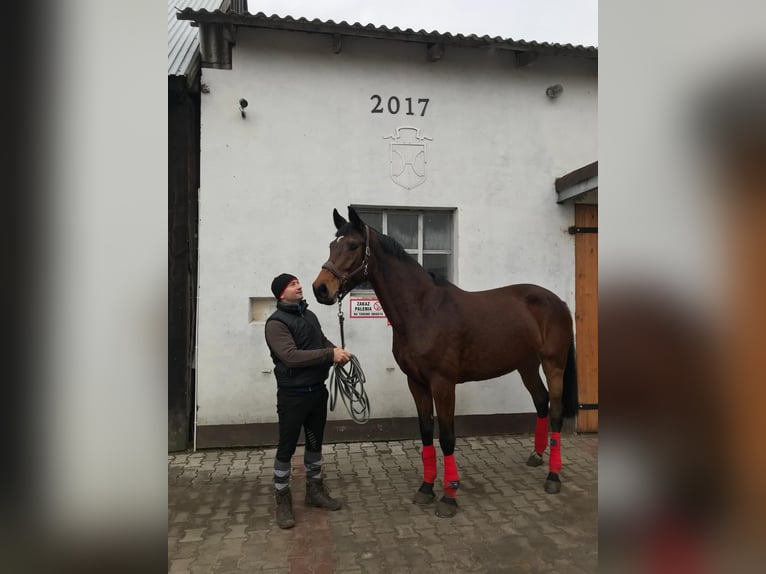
column 407, row 157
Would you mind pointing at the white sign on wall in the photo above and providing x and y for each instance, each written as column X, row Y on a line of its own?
column 365, row 309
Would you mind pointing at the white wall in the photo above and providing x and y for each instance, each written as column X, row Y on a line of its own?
column 270, row 181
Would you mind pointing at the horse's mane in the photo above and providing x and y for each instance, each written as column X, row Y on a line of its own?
column 393, row 247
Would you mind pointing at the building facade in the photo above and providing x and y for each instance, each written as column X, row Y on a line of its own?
column 450, row 144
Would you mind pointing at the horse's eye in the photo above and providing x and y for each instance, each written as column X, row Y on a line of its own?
column 353, row 245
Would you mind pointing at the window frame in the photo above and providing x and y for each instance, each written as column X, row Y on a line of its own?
column 420, row 251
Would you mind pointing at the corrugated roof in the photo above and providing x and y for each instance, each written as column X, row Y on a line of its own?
column 183, row 40
column 261, row 20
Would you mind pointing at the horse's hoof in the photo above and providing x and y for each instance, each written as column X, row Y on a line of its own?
column 552, row 487
column 535, row 459
column 553, row 484
column 423, row 498
column 425, row 494
column 446, row 508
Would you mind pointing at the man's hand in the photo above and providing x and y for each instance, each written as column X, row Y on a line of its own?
column 340, row 356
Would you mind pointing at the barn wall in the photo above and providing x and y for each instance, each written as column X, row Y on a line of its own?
column 309, row 143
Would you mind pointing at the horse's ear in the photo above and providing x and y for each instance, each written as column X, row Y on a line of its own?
column 338, row 219
column 355, row 219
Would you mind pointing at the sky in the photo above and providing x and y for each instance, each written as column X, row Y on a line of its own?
column 559, row 21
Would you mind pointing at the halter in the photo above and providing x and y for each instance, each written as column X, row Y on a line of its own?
column 330, row 266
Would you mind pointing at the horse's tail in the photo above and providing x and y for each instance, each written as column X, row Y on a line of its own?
column 569, row 392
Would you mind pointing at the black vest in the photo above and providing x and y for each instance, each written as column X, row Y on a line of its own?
column 307, row 333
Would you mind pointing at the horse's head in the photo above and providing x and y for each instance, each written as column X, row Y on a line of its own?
column 347, row 265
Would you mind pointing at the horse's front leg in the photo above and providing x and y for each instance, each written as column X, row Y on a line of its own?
column 444, row 397
column 425, row 406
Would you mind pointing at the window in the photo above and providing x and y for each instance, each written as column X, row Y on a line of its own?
column 425, row 234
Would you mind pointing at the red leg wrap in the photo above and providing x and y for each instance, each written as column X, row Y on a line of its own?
column 451, row 477
column 541, row 435
column 429, row 464
column 555, row 461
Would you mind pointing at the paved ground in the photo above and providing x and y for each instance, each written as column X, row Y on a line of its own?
column 221, row 510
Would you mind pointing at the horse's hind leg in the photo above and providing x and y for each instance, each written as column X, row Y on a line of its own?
column 425, row 406
column 530, row 375
column 554, row 374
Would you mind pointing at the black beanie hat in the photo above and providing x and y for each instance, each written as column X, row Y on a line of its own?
column 280, row 283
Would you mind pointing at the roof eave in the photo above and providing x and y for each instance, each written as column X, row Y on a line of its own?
column 261, row 20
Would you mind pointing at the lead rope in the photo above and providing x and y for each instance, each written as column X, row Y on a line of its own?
column 348, row 381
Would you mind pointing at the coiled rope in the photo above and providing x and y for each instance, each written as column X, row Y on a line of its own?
column 348, row 382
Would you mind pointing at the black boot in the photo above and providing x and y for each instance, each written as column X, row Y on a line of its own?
column 317, row 495
column 285, row 508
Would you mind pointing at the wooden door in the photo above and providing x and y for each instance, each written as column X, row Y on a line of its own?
column 586, row 315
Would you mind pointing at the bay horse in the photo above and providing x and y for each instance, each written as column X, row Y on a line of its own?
column 443, row 336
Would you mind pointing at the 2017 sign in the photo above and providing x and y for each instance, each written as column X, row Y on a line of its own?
column 393, row 105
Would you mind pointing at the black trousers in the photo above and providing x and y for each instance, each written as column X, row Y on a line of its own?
column 301, row 410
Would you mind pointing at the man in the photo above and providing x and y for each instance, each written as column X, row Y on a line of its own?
column 302, row 357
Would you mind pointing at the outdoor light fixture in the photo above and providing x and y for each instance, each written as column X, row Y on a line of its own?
column 242, row 106
column 554, row 91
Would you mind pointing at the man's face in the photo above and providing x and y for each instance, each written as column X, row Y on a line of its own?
column 293, row 293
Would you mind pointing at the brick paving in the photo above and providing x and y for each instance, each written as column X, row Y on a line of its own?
column 221, row 506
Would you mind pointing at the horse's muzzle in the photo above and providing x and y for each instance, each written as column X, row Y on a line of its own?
column 322, row 294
